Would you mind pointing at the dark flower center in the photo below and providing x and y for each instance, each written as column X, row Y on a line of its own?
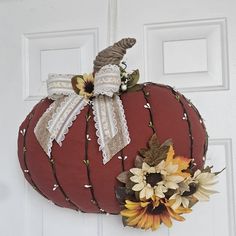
column 157, row 210
column 88, row 86
column 169, row 193
column 192, row 190
column 153, row 178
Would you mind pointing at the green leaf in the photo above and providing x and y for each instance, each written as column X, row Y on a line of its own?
column 146, row 153
column 120, row 194
column 123, row 177
column 219, row 172
column 167, row 143
column 207, row 169
column 129, row 185
column 156, row 152
column 133, row 79
column 124, row 221
column 153, row 142
column 136, row 87
column 74, row 81
column 138, row 162
column 137, row 198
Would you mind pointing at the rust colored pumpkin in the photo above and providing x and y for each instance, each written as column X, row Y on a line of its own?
column 75, row 176
column 70, row 181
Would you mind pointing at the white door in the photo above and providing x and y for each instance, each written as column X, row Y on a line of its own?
column 188, row 44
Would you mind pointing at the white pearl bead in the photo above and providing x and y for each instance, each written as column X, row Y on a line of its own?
column 123, row 87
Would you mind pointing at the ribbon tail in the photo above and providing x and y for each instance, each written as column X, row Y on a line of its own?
column 41, row 132
column 111, row 125
column 54, row 124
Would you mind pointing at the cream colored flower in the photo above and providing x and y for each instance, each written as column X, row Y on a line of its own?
column 204, row 182
column 169, row 176
column 160, row 190
column 139, row 178
column 155, row 180
column 184, row 185
column 179, row 200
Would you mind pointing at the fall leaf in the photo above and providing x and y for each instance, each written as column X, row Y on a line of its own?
column 124, row 177
column 122, row 194
column 156, row 152
column 133, row 79
column 138, row 161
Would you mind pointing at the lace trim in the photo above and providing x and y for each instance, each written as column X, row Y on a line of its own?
column 111, row 126
column 97, row 126
column 108, row 69
column 105, row 120
column 123, row 119
column 70, row 121
column 59, row 85
column 107, row 80
column 63, row 117
column 106, row 91
column 42, row 134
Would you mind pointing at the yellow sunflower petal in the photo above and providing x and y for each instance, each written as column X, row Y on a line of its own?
column 156, row 203
column 156, row 222
column 129, row 213
column 144, row 204
column 132, row 205
column 174, row 215
column 149, row 222
column 79, row 83
column 88, row 77
column 182, row 210
column 142, row 221
column 134, row 220
column 165, row 218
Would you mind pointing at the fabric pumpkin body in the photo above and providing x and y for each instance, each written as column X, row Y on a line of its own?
column 76, row 177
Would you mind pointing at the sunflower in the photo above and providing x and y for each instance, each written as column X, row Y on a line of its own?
column 203, row 183
column 170, row 175
column 150, row 214
column 156, row 180
column 183, row 194
column 83, row 85
column 144, row 179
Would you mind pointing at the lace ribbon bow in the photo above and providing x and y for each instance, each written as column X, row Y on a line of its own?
column 109, row 117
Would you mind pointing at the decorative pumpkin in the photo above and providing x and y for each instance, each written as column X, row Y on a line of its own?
column 73, row 174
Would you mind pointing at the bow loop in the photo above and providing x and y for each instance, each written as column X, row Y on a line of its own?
column 109, row 117
column 107, row 81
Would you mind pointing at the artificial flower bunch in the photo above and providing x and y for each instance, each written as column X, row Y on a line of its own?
column 84, row 84
column 161, row 187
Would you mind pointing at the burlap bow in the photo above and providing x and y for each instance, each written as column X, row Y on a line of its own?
column 109, row 117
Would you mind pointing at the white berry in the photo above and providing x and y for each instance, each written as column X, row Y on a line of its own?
column 123, row 87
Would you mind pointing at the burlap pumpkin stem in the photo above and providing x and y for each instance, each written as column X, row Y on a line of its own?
column 113, row 54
